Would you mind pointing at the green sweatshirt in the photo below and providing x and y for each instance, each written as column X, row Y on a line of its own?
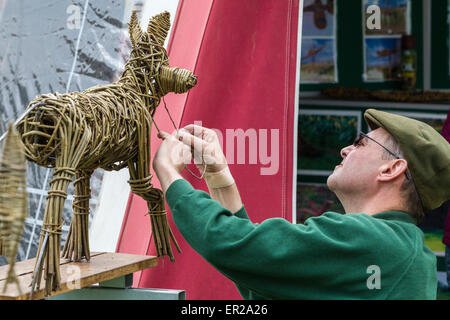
column 334, row 256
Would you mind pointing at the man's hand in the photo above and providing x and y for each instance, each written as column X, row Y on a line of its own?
column 205, row 147
column 170, row 159
column 177, row 150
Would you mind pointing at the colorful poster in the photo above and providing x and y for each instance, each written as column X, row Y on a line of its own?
column 382, row 58
column 321, row 136
column 384, row 23
column 318, row 55
column 315, row 199
column 318, row 18
column 318, row 62
column 392, row 15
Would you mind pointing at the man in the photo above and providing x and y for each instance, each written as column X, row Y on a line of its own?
column 375, row 251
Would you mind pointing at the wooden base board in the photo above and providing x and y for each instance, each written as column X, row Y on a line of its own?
column 102, row 266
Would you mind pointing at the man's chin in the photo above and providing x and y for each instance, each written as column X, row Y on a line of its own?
column 331, row 180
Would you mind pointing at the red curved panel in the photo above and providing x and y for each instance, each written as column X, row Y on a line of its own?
column 244, row 54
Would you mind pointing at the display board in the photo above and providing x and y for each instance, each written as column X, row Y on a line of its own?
column 357, row 50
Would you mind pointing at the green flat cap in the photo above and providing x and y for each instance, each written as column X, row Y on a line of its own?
column 427, row 153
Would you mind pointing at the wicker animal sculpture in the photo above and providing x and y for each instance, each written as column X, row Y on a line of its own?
column 13, row 200
column 109, row 127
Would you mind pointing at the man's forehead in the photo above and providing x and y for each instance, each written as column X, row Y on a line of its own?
column 378, row 133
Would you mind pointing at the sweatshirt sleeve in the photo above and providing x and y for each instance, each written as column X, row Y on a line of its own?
column 275, row 258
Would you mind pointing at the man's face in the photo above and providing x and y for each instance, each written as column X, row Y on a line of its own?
column 359, row 167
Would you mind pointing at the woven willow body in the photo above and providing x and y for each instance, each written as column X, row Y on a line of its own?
column 109, row 127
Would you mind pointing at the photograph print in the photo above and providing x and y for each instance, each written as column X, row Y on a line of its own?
column 321, row 136
column 382, row 58
column 318, row 61
column 318, row 18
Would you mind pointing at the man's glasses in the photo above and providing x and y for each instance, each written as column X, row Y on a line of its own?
column 361, row 136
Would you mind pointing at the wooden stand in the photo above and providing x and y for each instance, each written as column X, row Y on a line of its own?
column 102, row 267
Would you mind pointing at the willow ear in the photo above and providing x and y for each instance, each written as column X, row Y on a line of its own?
column 158, row 27
column 134, row 29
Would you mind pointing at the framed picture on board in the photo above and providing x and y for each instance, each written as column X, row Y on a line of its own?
column 319, row 59
column 321, row 135
column 382, row 40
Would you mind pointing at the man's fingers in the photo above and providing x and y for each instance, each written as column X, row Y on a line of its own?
column 181, row 154
column 163, row 135
column 195, row 130
column 190, row 140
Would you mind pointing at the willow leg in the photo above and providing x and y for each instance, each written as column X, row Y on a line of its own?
column 161, row 232
column 141, row 185
column 77, row 243
column 52, row 225
column 160, row 224
column 12, row 278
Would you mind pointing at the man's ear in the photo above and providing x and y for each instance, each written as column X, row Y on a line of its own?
column 392, row 169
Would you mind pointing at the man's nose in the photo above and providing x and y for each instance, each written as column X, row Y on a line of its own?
column 345, row 151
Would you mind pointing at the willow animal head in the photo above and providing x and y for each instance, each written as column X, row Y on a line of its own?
column 149, row 64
